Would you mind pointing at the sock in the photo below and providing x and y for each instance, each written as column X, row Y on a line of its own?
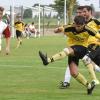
column 67, row 75
column 57, row 56
column 18, row 44
column 91, row 71
column 96, row 68
column 80, row 78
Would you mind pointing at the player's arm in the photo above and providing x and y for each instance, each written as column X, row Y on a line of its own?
column 15, row 24
column 23, row 25
column 92, row 32
column 97, row 23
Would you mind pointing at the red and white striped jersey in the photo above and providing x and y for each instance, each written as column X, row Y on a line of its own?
column 4, row 29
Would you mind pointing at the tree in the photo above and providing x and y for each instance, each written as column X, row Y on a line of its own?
column 27, row 13
column 59, row 6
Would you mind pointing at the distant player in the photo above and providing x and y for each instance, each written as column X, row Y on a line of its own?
column 33, row 30
column 19, row 25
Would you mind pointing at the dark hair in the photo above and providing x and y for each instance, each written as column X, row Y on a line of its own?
column 89, row 8
column 32, row 22
column 80, row 7
column 1, row 9
column 80, row 20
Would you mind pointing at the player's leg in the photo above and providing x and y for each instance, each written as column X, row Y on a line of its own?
column 46, row 60
column 67, row 78
column 96, row 63
column 67, row 75
column 79, row 52
column 19, row 40
column 35, row 34
column 96, row 67
column 95, row 56
column 88, row 62
column 80, row 78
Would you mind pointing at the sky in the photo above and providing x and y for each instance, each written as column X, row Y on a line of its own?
column 96, row 3
column 30, row 3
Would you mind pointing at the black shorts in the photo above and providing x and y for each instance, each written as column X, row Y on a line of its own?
column 73, row 59
column 93, row 47
column 79, row 53
column 18, row 33
column 95, row 56
column 96, row 60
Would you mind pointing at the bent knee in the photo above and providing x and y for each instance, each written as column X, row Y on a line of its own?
column 86, row 60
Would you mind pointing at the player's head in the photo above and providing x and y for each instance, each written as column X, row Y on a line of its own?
column 1, row 12
column 19, row 17
column 87, row 12
column 79, row 11
column 79, row 22
column 32, row 23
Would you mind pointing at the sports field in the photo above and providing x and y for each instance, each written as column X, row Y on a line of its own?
column 23, row 77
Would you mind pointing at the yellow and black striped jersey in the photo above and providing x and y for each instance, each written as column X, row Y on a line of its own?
column 19, row 25
column 95, row 25
column 78, row 38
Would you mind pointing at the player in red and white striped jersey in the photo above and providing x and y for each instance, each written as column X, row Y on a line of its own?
column 4, row 30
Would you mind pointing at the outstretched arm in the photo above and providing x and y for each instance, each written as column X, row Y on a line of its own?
column 59, row 29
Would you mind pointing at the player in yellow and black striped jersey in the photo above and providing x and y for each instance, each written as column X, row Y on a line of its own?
column 92, row 23
column 78, row 35
column 19, row 25
column 94, row 43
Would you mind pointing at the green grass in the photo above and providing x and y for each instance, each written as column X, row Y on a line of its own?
column 23, row 77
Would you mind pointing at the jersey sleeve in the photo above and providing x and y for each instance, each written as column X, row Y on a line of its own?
column 90, row 31
column 97, row 23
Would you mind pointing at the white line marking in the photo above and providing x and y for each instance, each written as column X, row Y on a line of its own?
column 29, row 66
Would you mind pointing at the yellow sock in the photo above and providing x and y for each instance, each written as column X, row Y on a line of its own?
column 91, row 71
column 57, row 56
column 18, row 44
column 80, row 78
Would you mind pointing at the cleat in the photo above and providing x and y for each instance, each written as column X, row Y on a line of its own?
column 43, row 58
column 20, row 43
column 64, row 85
column 91, row 86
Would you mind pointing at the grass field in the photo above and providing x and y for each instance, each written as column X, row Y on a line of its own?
column 23, row 77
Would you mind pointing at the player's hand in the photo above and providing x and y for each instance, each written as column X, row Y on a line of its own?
column 57, row 30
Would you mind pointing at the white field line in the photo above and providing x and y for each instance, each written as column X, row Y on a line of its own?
column 29, row 66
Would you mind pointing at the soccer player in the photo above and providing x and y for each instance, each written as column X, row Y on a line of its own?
column 67, row 77
column 4, row 30
column 78, row 35
column 33, row 30
column 93, row 44
column 19, row 25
